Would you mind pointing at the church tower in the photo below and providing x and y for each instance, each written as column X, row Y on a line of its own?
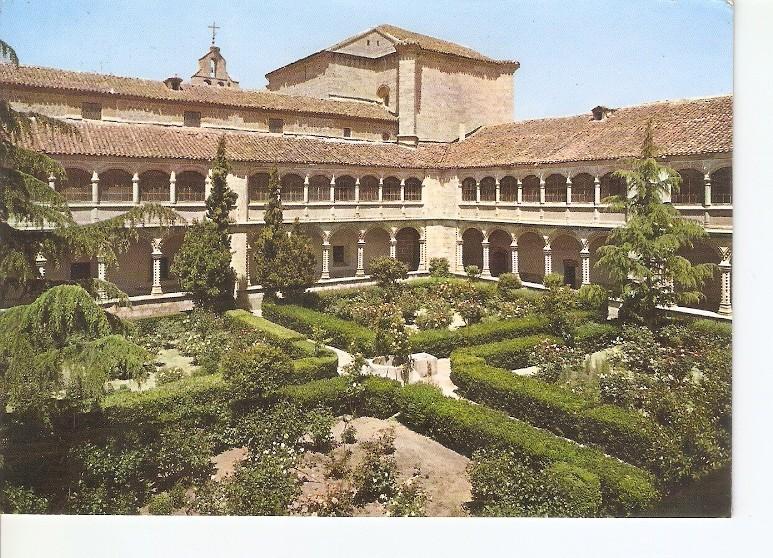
column 212, row 69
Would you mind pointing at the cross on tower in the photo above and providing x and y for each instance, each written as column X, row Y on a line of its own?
column 214, row 30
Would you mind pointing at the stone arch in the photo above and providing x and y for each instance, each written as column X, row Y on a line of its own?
column 383, row 93
column 154, row 186
column 508, row 189
column 190, row 186
column 134, row 275
column 115, row 185
column 530, row 189
column 390, row 189
column 469, row 189
column 706, row 252
column 291, row 188
column 257, row 187
column 611, row 185
column 76, row 186
column 315, row 234
column 500, row 259
column 488, row 189
column 319, row 188
column 377, row 242
column 413, row 189
column 344, row 188
column 598, row 275
column 582, row 188
column 555, row 188
column 368, row 188
column 343, row 251
column 408, row 247
column 472, row 247
column 565, row 251
column 531, row 256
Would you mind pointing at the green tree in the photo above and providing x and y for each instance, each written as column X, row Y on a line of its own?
column 282, row 262
column 34, row 219
column 256, row 373
column 642, row 257
column 203, row 265
column 387, row 272
column 221, row 200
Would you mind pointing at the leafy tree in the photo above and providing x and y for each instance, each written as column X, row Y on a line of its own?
column 387, row 272
column 282, row 263
column 34, row 219
column 221, row 200
column 438, row 267
column 559, row 304
column 203, row 265
column 472, row 271
column 642, row 257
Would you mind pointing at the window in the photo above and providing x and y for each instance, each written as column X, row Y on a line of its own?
column 292, row 188
column 508, row 189
column 344, row 189
column 413, row 189
column 347, row 132
column 80, row 270
column 192, row 119
column 115, row 186
column 582, row 188
column 722, row 185
column 368, row 188
column 276, row 125
column 91, row 111
column 530, row 189
column 154, row 186
column 338, row 255
column 76, row 186
column 391, row 189
column 691, row 190
column 385, row 136
column 555, row 189
column 612, row 185
column 488, row 189
column 469, row 190
column 319, row 188
column 190, row 187
column 257, row 187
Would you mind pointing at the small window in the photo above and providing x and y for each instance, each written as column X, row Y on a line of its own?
column 80, row 270
column 386, row 136
column 368, row 42
column 338, row 255
column 192, row 119
column 347, row 132
column 276, row 125
column 91, row 111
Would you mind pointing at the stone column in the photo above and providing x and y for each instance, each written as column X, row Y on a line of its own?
column 52, row 181
column 542, row 191
column 568, row 190
column 725, row 268
column 381, row 189
column 496, row 192
column 360, row 255
column 173, row 187
column 548, row 253
column 357, row 189
column 707, row 190
column 136, row 188
column 157, row 255
column 402, row 189
column 325, row 255
column 41, row 263
column 485, row 272
column 94, row 187
column 459, row 252
column 208, row 184
column 477, row 191
column 102, row 276
column 514, row 255
column 519, row 193
column 306, row 189
column 585, row 261
column 248, row 265
column 423, row 250
column 596, row 191
column 393, row 243
column 332, row 189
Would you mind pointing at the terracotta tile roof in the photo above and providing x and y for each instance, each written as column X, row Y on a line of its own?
column 102, row 139
column 685, row 127
column 55, row 79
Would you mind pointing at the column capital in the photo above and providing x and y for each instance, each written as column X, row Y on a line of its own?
column 585, row 246
column 326, row 237
column 361, row 236
column 156, row 244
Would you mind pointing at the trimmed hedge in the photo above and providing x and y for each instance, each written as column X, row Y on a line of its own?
column 620, row 432
column 373, row 397
column 511, row 353
column 270, row 329
column 315, row 368
column 342, row 333
column 441, row 342
column 593, row 336
column 465, row 427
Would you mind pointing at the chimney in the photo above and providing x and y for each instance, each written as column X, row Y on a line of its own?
column 600, row 113
column 462, row 132
column 173, row 82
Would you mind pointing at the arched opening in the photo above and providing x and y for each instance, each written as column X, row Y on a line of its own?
column 343, row 252
column 488, row 189
column 692, row 189
column 257, row 187
column 508, row 189
column 315, row 235
column 154, row 186
column 413, row 189
column 391, row 189
column 376, row 245
column 291, row 188
column 76, row 187
column 472, row 248
column 531, row 258
column 319, row 188
column 369, row 188
column 134, row 275
column 611, row 185
column 555, row 188
column 530, row 189
column 701, row 253
column 722, row 186
column 115, row 186
column 500, row 260
column 190, row 186
column 344, row 188
column 469, row 190
column 598, row 275
column 582, row 188
column 383, row 94
column 408, row 250
column 565, row 250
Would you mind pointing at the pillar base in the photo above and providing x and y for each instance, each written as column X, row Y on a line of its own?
column 485, row 273
column 324, row 276
column 359, row 273
column 156, row 290
column 725, row 310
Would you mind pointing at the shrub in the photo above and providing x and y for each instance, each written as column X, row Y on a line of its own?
column 472, row 271
column 507, row 284
column 160, row 504
column 182, row 455
column 255, row 373
column 386, row 272
column 592, row 336
column 349, row 434
column 319, row 423
column 375, row 478
column 17, row 499
column 340, row 464
column 553, row 281
column 438, row 267
column 370, row 396
column 594, row 298
column 314, row 368
column 409, row 499
column 466, row 427
column 437, row 315
column 471, row 311
column 511, row 353
column 440, row 343
column 169, row 375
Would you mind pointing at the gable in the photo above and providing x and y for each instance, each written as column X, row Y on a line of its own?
column 369, row 45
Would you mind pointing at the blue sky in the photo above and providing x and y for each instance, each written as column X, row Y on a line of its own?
column 574, row 54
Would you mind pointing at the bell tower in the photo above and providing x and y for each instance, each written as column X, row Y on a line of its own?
column 212, row 70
